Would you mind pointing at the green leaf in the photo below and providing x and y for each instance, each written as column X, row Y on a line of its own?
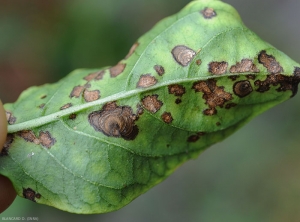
column 97, row 139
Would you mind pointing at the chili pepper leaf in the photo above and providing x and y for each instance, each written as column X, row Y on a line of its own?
column 99, row 138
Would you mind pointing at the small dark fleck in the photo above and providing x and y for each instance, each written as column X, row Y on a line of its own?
column 167, row 117
column 159, row 70
column 30, row 194
column 198, row 62
column 42, row 105
column 72, row 116
column 178, row 101
column 66, row 106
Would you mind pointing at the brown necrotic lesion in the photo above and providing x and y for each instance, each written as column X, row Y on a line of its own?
column 183, row 55
column 242, row 88
column 115, row 121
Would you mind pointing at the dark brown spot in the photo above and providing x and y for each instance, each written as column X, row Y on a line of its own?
column 28, row 136
column 30, row 194
column 176, row 89
column 115, row 121
column 10, row 118
column 230, row 105
column 217, row 68
column 214, row 95
column 46, row 139
column 72, row 116
column 177, row 101
column 195, row 138
column 117, row 69
column 132, row 49
column 246, row 65
column 66, row 106
column 233, row 78
column 218, row 123
column 159, row 70
column 208, row 13
column 242, row 88
column 76, row 92
column 167, row 117
column 183, row 55
column 43, row 97
column 251, row 76
column 151, row 103
column 42, row 105
column 95, row 76
column 285, row 82
column 269, row 62
column 198, row 62
column 9, row 140
column 146, row 80
column 92, row 95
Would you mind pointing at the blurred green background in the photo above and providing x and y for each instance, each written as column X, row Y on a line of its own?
column 252, row 176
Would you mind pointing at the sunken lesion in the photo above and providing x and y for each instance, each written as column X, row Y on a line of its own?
column 30, row 194
column 76, row 91
column 217, row 68
column 208, row 13
column 269, row 62
column 73, row 116
column 117, row 69
column 195, row 137
column 214, row 96
column 167, row 117
column 91, row 95
column 146, row 80
column 242, row 88
column 66, row 106
column 176, row 89
column 11, row 119
column 45, row 138
column 285, row 83
column 160, row 70
column 132, row 50
column 115, row 121
column 152, row 103
column 95, row 76
column 183, row 55
column 246, row 65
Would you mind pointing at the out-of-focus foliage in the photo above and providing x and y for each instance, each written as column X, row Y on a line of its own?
column 252, row 176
